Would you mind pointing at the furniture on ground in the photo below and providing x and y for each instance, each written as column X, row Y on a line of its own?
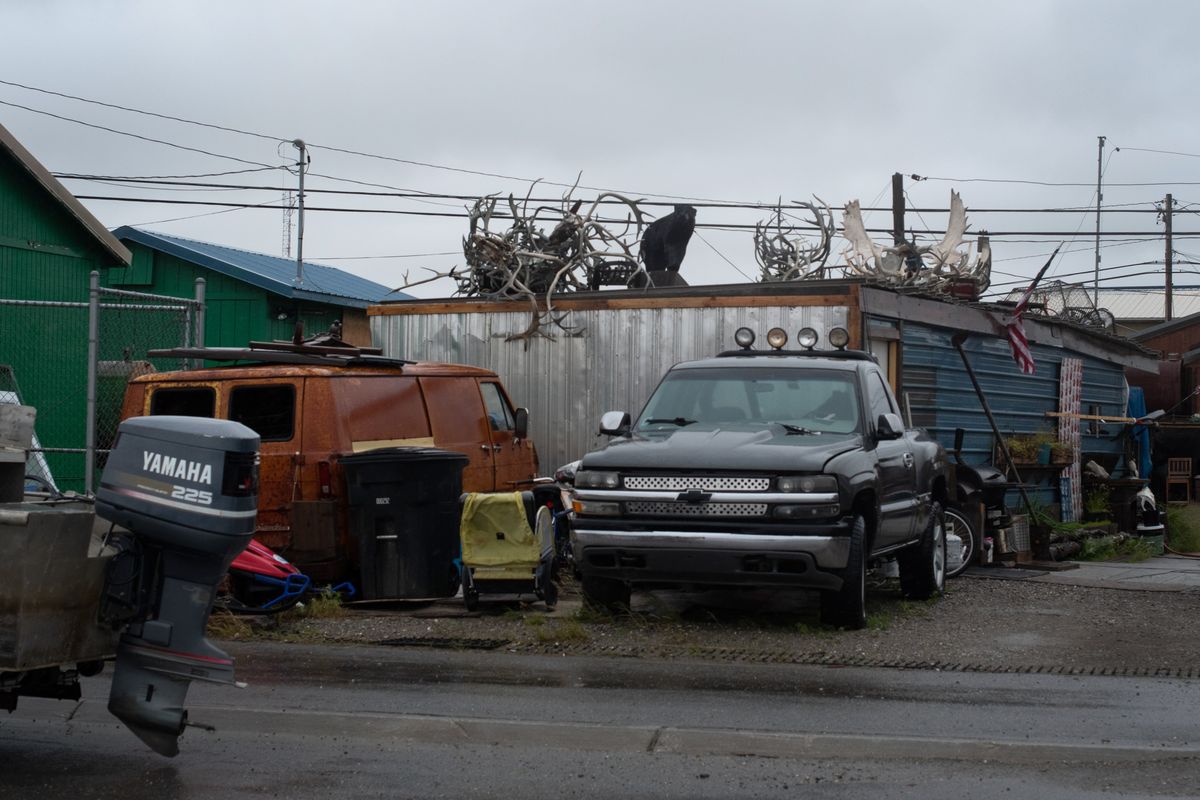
column 1179, row 473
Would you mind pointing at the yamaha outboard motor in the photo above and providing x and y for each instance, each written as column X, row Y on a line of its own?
column 186, row 488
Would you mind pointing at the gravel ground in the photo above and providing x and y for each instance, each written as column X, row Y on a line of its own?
column 981, row 623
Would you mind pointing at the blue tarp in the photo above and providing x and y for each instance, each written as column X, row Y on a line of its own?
column 1141, row 434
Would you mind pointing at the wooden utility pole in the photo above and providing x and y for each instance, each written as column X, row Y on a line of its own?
column 1169, row 304
column 1099, row 197
column 897, row 208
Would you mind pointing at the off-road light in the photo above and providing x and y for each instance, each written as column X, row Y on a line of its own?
column 807, row 338
column 839, row 338
column 777, row 338
column 744, row 338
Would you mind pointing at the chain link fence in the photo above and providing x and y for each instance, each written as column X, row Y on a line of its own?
column 72, row 359
column 124, row 327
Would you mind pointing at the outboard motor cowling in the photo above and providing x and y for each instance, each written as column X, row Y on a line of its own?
column 187, row 490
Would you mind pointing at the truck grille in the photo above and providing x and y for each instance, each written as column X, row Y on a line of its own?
column 650, row 508
column 708, row 483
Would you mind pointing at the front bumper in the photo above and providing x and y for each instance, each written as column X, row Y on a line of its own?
column 663, row 556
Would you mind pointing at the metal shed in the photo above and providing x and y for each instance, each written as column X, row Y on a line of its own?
column 627, row 339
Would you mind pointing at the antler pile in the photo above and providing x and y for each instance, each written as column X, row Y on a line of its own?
column 580, row 252
column 932, row 266
column 783, row 254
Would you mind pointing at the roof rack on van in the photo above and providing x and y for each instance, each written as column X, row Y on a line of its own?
column 286, row 353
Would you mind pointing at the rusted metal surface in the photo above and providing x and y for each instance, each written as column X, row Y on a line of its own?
column 343, row 410
column 51, row 582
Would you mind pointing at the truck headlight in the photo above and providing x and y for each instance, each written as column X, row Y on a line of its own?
column 592, row 479
column 807, row 483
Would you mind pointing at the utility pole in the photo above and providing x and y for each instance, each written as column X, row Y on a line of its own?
column 301, row 165
column 897, row 208
column 1099, row 197
column 1167, row 208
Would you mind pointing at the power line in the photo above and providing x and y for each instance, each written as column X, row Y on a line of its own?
column 137, row 136
column 416, row 193
column 146, row 113
column 464, row 215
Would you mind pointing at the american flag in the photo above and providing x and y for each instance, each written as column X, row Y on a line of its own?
column 1016, row 327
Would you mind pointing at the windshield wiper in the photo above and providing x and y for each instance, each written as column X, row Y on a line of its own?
column 796, row 429
column 677, row 421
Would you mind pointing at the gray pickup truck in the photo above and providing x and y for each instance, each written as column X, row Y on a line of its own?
column 788, row 468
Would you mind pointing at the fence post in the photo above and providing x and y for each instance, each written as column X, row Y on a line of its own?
column 199, row 328
column 89, row 457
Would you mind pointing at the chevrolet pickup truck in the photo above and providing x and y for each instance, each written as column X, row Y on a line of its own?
column 765, row 468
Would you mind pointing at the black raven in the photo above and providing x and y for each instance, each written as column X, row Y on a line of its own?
column 665, row 241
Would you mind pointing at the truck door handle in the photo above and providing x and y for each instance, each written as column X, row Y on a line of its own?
column 908, row 460
column 495, row 448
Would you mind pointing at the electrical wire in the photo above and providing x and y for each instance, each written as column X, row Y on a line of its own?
column 136, row 135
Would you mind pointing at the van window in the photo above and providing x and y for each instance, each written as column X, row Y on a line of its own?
column 380, row 408
column 192, row 401
column 269, row 411
column 499, row 414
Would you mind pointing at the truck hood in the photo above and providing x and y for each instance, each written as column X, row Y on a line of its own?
column 724, row 450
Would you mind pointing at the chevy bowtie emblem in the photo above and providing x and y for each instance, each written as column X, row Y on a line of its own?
column 694, row 496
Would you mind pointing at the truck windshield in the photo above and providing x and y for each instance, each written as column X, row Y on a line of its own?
column 824, row 401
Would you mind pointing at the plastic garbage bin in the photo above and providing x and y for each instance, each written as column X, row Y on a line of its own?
column 404, row 516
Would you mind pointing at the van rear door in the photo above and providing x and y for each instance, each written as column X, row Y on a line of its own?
column 272, row 410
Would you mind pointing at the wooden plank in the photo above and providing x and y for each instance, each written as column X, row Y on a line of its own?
column 831, row 296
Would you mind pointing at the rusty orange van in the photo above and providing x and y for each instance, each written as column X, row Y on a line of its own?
column 311, row 405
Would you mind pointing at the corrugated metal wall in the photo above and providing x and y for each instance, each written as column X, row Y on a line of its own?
column 939, row 392
column 613, row 364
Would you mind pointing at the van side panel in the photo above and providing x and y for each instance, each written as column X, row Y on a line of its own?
column 385, row 411
column 459, row 422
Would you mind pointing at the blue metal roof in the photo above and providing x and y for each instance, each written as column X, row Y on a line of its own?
column 272, row 273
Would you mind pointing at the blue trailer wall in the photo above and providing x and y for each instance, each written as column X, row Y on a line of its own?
column 937, row 389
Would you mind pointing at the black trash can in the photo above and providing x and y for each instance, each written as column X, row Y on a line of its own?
column 404, row 516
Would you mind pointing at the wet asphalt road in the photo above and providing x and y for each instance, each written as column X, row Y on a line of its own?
column 321, row 721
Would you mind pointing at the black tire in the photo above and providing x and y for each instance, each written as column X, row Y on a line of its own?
column 847, row 607
column 957, row 523
column 923, row 566
column 605, row 594
column 471, row 598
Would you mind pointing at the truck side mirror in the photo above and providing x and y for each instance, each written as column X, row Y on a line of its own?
column 521, row 423
column 889, row 426
column 614, row 423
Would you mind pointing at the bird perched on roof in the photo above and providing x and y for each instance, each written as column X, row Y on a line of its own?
column 665, row 241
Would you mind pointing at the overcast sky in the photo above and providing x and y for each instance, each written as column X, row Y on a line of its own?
column 744, row 102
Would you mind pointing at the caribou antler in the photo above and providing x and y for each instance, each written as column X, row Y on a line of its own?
column 783, row 254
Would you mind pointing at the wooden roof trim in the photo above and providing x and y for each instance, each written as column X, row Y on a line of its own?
column 771, row 295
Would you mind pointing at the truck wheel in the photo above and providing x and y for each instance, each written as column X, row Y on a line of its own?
column 923, row 566
column 605, row 594
column 847, row 607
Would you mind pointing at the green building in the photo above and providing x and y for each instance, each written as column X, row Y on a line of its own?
column 248, row 296
column 49, row 245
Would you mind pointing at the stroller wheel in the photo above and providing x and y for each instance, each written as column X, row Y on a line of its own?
column 550, row 595
column 471, row 598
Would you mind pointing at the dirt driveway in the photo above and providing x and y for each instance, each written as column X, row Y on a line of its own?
column 982, row 623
